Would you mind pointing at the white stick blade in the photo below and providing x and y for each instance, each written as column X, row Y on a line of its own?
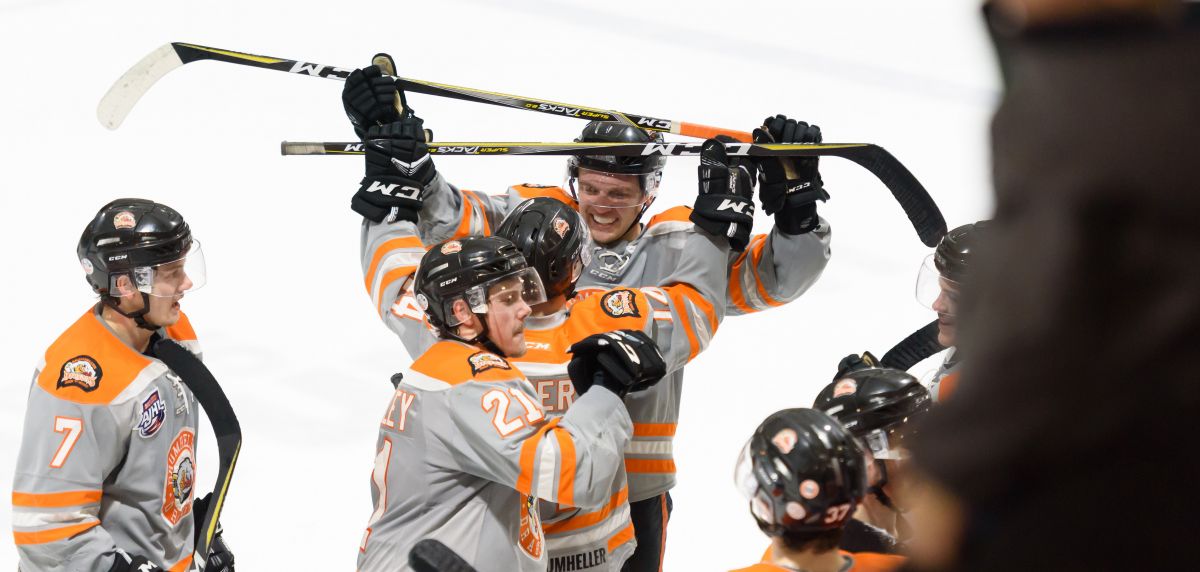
column 129, row 88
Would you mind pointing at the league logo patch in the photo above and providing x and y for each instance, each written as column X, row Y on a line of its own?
column 82, row 372
column 124, row 219
column 181, row 475
column 561, row 227
column 845, row 387
column 809, row 489
column 452, row 247
column 483, row 361
column 154, row 411
column 785, row 441
column 531, row 538
column 619, row 303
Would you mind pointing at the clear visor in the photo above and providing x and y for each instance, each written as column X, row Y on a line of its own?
column 935, row 291
column 169, row 279
column 743, row 474
column 518, row 288
column 881, row 448
column 610, row 190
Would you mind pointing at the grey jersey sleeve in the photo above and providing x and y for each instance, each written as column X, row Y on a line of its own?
column 390, row 253
column 501, row 434
column 777, row 268
column 448, row 212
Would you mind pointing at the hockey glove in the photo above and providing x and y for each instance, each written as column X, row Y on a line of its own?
column 855, row 362
column 398, row 168
column 789, row 187
column 220, row 559
column 369, row 98
column 725, row 203
column 621, row 361
column 126, row 563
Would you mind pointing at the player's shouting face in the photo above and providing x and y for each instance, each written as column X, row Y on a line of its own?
column 610, row 204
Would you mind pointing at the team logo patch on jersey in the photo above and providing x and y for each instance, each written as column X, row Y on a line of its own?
column 531, row 538
column 80, row 371
column 619, row 303
column 809, row 489
column 785, row 441
column 561, row 227
column 452, row 247
column 181, row 476
column 483, row 361
column 154, row 411
column 124, row 219
column 845, row 387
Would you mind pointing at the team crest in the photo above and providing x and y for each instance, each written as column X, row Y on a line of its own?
column 619, row 303
column 561, row 227
column 483, row 361
column 181, row 476
column 845, row 387
column 531, row 538
column 796, row 511
column 154, row 411
column 452, row 247
column 809, row 489
column 124, row 219
column 785, row 441
column 82, row 372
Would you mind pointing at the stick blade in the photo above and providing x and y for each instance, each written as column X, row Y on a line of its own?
column 129, row 88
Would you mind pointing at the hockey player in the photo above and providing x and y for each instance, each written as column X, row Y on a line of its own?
column 612, row 194
column 879, row 406
column 803, row 475
column 106, row 474
column 552, row 237
column 938, row 285
column 465, row 449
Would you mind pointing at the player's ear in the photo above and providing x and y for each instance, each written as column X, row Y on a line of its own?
column 124, row 287
column 463, row 314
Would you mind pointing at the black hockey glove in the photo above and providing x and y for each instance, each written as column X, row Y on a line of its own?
column 220, row 559
column 398, row 168
column 725, row 203
column 855, row 362
column 369, row 98
column 789, row 187
column 125, row 563
column 621, row 361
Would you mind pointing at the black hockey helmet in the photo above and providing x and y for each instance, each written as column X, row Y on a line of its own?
column 648, row 167
column 802, row 472
column 553, row 239
column 470, row 269
column 878, row 405
column 953, row 254
column 133, row 238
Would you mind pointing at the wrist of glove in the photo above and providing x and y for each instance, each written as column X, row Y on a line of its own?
column 620, row 361
column 126, row 563
column 789, row 187
column 398, row 167
column 855, row 362
column 219, row 559
column 724, row 204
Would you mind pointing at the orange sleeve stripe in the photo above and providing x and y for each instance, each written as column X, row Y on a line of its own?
column 621, row 537
column 757, row 258
column 479, row 202
column 386, row 247
column 182, row 565
column 398, row 273
column 705, row 306
column 566, row 473
column 529, row 457
column 654, row 429
column 685, row 321
column 735, row 285
column 53, row 534
column 649, row 465
column 56, row 500
column 587, row 519
column 464, row 226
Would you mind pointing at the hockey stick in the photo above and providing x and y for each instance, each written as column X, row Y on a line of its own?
column 224, row 422
column 922, row 212
column 129, row 88
column 916, row 347
column 431, row 555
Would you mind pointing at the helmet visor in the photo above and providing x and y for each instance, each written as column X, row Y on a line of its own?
column 743, row 473
column 518, row 287
column 935, row 291
column 171, row 279
column 610, row 190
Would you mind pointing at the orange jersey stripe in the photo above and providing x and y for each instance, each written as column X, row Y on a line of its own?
column 398, row 273
column 679, row 296
column 54, row 500
column 947, row 386
column 756, row 257
column 390, row 245
column 654, row 429
column 621, row 537
column 119, row 363
column 479, row 202
column 585, row 520
column 529, row 457
column 649, row 465
column 53, row 534
column 182, row 330
column 566, row 475
column 182, row 565
column 735, row 285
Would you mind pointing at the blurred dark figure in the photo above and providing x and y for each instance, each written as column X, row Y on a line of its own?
column 1069, row 446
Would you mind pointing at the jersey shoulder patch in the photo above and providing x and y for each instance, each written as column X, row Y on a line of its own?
column 620, row 303
column 454, row 362
column 604, row 312
column 88, row 364
column 484, row 361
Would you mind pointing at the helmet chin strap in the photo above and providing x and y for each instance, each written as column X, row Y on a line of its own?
column 877, row 489
column 481, row 338
column 139, row 316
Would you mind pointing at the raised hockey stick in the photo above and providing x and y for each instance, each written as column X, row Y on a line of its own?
column 129, row 88
column 916, row 347
column 431, row 555
column 224, row 422
column 922, row 212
